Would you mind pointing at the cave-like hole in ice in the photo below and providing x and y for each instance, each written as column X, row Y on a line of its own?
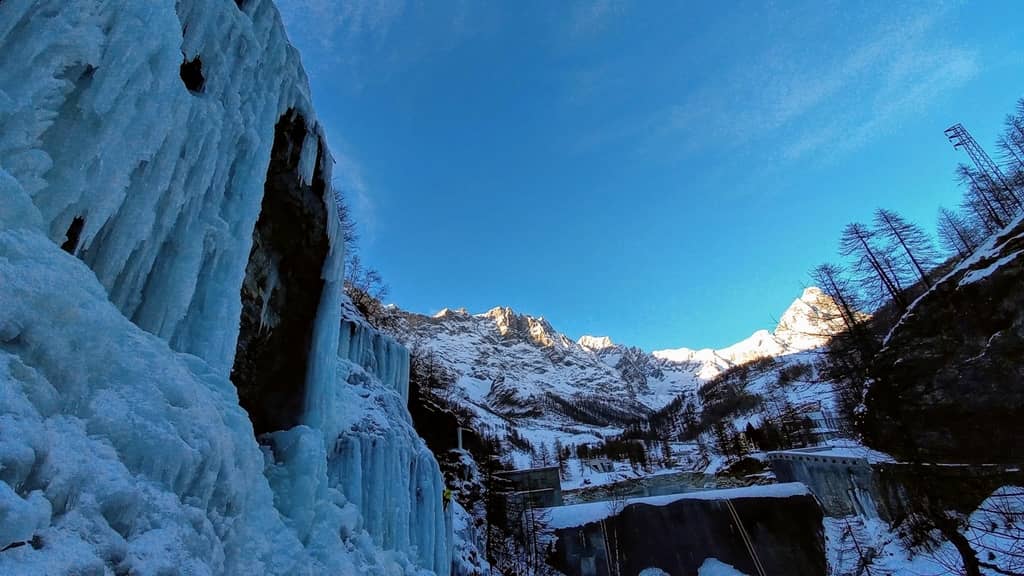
column 73, row 234
column 192, row 74
column 282, row 286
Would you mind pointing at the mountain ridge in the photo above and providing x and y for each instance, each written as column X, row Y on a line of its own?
column 514, row 370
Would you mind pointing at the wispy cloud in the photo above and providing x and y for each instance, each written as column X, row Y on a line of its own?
column 590, row 17
column 331, row 22
column 337, row 37
column 893, row 77
column 821, row 100
column 358, row 42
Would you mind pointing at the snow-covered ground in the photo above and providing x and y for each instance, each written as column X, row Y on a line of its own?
column 995, row 530
column 715, row 567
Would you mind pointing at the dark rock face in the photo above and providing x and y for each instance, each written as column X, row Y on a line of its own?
column 949, row 386
column 282, row 286
column 904, row 489
column 439, row 427
column 636, row 367
column 786, row 534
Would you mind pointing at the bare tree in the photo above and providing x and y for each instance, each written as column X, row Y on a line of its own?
column 956, row 234
column 978, row 200
column 993, row 201
column 1011, row 148
column 873, row 266
column 364, row 286
column 1011, row 141
column 617, row 500
column 992, row 538
column 909, row 239
column 832, row 280
column 349, row 233
column 367, row 290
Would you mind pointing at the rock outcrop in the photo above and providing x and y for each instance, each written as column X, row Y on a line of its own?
column 950, row 381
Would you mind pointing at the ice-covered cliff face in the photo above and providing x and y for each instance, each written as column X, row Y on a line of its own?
column 171, row 278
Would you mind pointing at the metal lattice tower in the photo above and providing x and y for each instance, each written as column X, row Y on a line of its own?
column 989, row 170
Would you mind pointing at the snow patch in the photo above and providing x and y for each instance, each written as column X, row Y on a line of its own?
column 715, row 567
column 582, row 514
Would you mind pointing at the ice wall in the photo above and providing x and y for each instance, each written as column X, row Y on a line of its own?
column 378, row 459
column 378, row 353
column 99, row 125
column 138, row 136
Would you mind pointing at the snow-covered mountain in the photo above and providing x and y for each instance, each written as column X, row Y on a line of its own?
column 517, row 371
column 805, row 325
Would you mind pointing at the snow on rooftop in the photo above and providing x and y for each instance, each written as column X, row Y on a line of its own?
column 582, row 514
column 849, row 451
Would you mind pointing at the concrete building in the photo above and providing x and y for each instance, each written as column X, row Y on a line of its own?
column 536, row 487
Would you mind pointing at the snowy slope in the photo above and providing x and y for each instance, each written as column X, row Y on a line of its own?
column 512, row 361
column 514, row 371
column 508, row 358
column 123, row 446
column 805, row 325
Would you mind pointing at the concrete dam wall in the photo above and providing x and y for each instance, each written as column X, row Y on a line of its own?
column 775, row 529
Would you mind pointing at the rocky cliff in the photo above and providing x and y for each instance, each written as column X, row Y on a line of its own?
column 950, row 382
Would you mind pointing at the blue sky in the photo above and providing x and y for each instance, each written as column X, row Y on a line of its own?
column 662, row 173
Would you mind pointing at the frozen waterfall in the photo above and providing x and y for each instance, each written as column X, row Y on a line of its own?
column 150, row 140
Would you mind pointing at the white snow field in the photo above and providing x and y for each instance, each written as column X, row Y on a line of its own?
column 123, row 448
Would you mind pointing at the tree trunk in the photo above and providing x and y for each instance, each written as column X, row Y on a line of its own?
column 969, row 555
column 897, row 297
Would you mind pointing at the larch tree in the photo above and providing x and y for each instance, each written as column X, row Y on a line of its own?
column 909, row 240
column 1011, row 150
column 873, row 266
column 848, row 354
column 831, row 278
column 978, row 199
column 956, row 234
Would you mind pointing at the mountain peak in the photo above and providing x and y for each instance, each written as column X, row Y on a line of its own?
column 595, row 343
column 512, row 324
column 448, row 312
column 809, row 321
